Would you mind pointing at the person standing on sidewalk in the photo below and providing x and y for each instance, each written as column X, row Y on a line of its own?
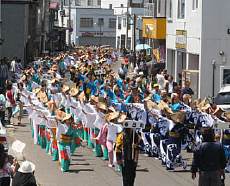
column 9, row 102
column 209, row 159
column 4, row 74
column 122, row 72
column 127, row 62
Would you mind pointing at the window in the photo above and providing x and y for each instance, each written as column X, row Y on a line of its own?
column 226, row 76
column 90, row 2
column 66, row 2
column 56, row 16
column 169, row 9
column 99, row 2
column 86, row 22
column 129, row 42
column 100, row 21
column 118, row 41
column 122, row 5
column 110, row 6
column 159, row 6
column 181, row 9
column 129, row 23
column 112, row 23
column 124, row 22
column 150, row 1
column 119, row 22
column 78, row 2
column 195, row 4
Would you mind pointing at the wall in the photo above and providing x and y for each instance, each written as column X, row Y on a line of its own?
column 13, row 30
column 115, row 3
column 214, row 40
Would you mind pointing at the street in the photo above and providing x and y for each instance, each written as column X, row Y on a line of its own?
column 86, row 169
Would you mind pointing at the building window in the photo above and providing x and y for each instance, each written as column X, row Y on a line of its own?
column 124, row 22
column 169, row 9
column 110, row 6
column 195, row 4
column 112, row 23
column 100, row 21
column 226, row 77
column 181, row 9
column 90, row 2
column 129, row 23
column 99, row 2
column 119, row 22
column 122, row 5
column 159, row 6
column 86, row 22
column 150, row 1
column 118, row 42
column 129, row 42
column 66, row 2
column 56, row 15
column 78, row 2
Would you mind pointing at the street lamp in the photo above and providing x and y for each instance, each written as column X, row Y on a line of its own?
column 99, row 24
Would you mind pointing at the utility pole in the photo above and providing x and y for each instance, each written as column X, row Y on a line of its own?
column 69, row 25
column 43, row 47
column 127, row 25
column 134, row 41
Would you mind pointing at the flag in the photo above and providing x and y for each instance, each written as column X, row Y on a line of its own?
column 157, row 55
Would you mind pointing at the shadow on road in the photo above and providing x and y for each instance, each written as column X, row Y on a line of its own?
column 80, row 170
column 143, row 170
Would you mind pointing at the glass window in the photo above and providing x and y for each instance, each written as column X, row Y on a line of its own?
column 86, row 22
column 119, row 22
column 90, row 2
column 159, row 6
column 122, row 5
column 78, row 2
column 124, row 22
column 110, row 6
column 98, row 2
column 197, row 3
column 169, row 9
column 226, row 76
column 66, row 2
column 112, row 23
column 181, row 9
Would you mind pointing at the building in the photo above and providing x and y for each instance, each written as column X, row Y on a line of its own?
column 1, row 40
column 125, row 26
column 198, row 40
column 154, row 27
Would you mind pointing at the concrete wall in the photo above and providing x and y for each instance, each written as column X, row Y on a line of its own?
column 214, row 40
column 13, row 30
column 115, row 3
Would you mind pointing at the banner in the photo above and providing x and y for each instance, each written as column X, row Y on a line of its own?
column 162, row 54
column 157, row 55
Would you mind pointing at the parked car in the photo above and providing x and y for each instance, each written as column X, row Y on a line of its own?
column 223, row 98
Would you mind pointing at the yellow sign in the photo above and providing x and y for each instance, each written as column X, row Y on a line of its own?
column 181, row 39
column 157, row 55
column 154, row 28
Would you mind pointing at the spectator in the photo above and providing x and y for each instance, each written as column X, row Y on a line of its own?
column 186, row 89
column 145, row 69
column 4, row 74
column 209, row 159
column 9, row 102
column 127, row 62
column 170, row 85
column 25, row 175
column 18, row 102
column 2, row 106
column 12, row 65
column 122, row 72
column 160, row 79
column 156, row 89
column 5, row 168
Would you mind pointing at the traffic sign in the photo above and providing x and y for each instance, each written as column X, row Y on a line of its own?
column 70, row 29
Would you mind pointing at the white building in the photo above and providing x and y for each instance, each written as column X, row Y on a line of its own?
column 121, row 28
column 197, row 35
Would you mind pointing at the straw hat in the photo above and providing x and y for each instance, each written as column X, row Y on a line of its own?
column 102, row 106
column 23, row 78
column 81, row 97
column 147, row 98
column 218, row 109
column 59, row 114
column 43, row 98
column 152, row 105
column 53, row 80
column 65, row 88
column 54, row 67
column 27, row 167
column 197, row 102
column 162, row 105
column 94, row 98
column 112, row 109
column 37, row 90
column 122, row 118
column 227, row 115
column 111, row 116
column 204, row 102
column 178, row 117
column 67, row 116
column 206, row 106
column 51, row 105
column 73, row 91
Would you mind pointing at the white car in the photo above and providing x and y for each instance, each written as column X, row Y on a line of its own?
column 223, row 98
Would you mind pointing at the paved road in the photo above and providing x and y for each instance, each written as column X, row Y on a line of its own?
column 87, row 170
